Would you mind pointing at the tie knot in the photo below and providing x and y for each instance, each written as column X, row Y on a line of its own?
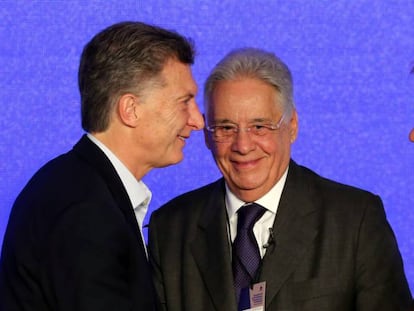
column 248, row 214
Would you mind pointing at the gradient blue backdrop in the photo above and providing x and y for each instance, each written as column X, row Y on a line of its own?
column 350, row 61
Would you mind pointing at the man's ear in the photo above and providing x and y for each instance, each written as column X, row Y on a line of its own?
column 128, row 109
column 294, row 126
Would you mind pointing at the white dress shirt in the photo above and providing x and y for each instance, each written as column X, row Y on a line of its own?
column 138, row 192
column 261, row 229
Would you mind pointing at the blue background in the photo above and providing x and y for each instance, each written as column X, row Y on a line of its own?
column 350, row 62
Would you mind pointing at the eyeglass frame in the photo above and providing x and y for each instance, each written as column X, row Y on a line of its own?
column 234, row 129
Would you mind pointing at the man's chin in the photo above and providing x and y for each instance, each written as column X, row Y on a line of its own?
column 172, row 161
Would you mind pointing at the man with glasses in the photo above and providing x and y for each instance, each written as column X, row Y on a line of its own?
column 271, row 234
column 74, row 238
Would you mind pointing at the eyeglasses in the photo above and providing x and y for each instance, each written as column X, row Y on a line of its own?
column 224, row 133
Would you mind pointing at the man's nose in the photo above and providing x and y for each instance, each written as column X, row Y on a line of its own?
column 196, row 120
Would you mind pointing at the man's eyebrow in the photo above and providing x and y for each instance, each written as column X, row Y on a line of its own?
column 261, row 120
column 186, row 96
column 223, row 121
column 256, row 120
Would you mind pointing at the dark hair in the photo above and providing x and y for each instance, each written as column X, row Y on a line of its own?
column 124, row 58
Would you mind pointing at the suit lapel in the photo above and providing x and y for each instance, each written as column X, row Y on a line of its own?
column 211, row 250
column 91, row 153
column 295, row 228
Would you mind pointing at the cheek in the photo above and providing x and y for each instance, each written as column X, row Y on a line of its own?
column 270, row 146
column 167, row 113
column 220, row 151
column 177, row 118
column 169, row 118
column 275, row 149
column 280, row 149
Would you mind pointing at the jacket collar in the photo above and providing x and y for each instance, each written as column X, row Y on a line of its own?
column 211, row 250
column 96, row 158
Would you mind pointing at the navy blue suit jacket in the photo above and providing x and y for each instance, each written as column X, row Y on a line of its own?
column 73, row 242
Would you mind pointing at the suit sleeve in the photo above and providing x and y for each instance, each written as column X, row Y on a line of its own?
column 380, row 279
column 154, row 258
column 88, row 259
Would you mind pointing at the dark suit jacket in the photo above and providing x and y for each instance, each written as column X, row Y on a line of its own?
column 333, row 250
column 73, row 242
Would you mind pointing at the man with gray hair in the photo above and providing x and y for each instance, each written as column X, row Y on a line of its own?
column 271, row 234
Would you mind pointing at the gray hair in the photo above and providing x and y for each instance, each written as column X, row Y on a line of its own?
column 257, row 64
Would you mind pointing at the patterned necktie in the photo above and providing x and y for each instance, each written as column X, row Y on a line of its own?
column 246, row 255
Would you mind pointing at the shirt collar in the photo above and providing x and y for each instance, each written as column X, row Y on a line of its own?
column 137, row 191
column 270, row 200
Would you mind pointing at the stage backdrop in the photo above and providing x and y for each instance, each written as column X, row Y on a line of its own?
column 350, row 61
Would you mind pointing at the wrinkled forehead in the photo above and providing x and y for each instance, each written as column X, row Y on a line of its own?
column 243, row 100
